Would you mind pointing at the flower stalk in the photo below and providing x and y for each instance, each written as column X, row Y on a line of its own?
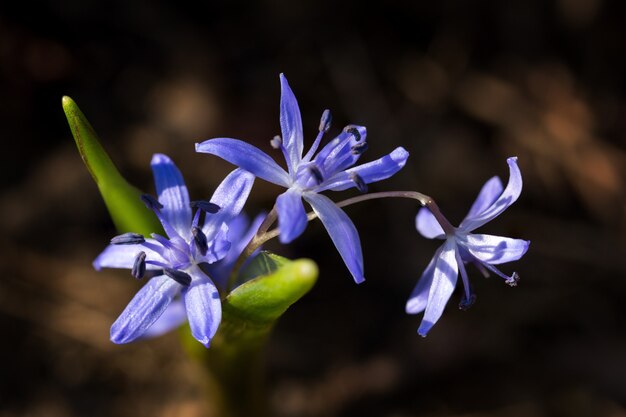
column 264, row 234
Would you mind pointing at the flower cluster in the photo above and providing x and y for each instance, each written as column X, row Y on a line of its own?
column 190, row 264
column 178, row 257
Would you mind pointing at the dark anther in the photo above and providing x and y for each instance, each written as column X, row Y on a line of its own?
column 358, row 181
column 151, row 202
column 205, row 206
column 513, row 280
column 139, row 266
column 325, row 121
column 354, row 132
column 181, row 277
column 317, row 174
column 359, row 148
column 276, row 142
column 128, row 239
column 200, row 238
column 465, row 303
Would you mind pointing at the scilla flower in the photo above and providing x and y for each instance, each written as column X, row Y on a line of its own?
column 177, row 257
column 461, row 246
column 240, row 232
column 332, row 168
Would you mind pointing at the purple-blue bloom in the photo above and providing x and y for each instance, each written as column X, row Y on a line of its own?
column 240, row 231
column 179, row 255
column 332, row 168
column 438, row 280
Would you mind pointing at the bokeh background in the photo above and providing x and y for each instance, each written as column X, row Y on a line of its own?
column 460, row 84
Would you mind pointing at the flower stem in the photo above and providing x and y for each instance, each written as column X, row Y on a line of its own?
column 264, row 234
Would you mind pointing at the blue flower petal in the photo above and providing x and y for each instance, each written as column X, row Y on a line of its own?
column 204, row 307
column 342, row 232
column 496, row 249
column 292, row 218
column 488, row 194
column 172, row 193
column 240, row 232
column 290, row 125
column 246, row 156
column 218, row 247
column 173, row 317
column 508, row 197
column 144, row 309
column 230, row 196
column 377, row 170
column 443, row 283
column 419, row 297
column 427, row 224
column 123, row 256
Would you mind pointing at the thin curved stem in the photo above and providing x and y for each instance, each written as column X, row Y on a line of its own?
column 423, row 199
column 263, row 235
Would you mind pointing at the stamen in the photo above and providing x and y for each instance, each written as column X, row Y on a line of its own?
column 161, row 265
column 358, row 181
column 513, row 279
column 181, row 277
column 139, row 266
column 317, row 174
column 128, row 239
column 200, row 238
column 359, row 148
column 206, row 206
column 276, row 142
column 165, row 242
column 482, row 269
column 353, row 131
column 151, row 202
column 466, row 303
column 325, row 121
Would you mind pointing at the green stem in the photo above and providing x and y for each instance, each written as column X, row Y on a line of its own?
column 234, row 370
column 234, row 365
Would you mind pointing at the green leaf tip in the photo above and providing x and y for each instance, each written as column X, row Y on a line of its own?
column 281, row 283
column 122, row 199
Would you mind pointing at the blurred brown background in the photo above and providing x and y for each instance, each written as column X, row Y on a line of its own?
column 460, row 84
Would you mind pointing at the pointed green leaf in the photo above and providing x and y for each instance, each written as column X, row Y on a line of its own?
column 129, row 214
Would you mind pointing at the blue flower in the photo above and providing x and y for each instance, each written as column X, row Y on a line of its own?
column 332, row 168
column 438, row 280
column 177, row 257
column 240, row 232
